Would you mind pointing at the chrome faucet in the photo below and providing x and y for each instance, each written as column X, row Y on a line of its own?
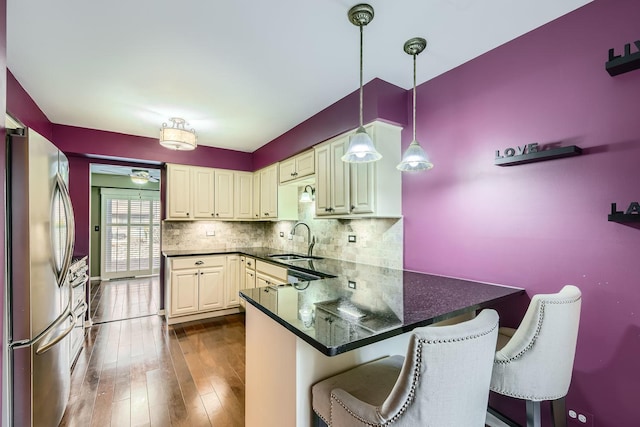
column 312, row 241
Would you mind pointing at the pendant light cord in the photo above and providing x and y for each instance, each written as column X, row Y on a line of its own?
column 414, row 96
column 361, row 121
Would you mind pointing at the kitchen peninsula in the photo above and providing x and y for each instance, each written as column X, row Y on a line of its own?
column 299, row 333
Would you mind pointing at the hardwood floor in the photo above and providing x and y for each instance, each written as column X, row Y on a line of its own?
column 124, row 299
column 141, row 372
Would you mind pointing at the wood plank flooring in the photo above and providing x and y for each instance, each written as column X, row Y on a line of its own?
column 141, row 372
column 124, row 299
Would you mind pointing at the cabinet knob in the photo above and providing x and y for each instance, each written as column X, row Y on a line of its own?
column 352, row 208
column 257, row 215
column 211, row 213
column 217, row 214
column 199, row 262
column 266, row 214
column 187, row 213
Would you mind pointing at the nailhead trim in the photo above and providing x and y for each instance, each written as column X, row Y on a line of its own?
column 417, row 369
column 529, row 346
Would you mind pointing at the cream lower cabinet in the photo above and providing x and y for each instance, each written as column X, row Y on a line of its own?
column 201, row 287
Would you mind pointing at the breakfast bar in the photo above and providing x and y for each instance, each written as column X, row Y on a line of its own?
column 302, row 332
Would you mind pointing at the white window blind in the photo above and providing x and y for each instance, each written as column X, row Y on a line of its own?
column 130, row 233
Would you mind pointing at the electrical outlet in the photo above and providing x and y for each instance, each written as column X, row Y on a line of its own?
column 352, row 284
column 282, row 234
column 352, row 238
column 577, row 417
column 290, row 236
column 211, row 232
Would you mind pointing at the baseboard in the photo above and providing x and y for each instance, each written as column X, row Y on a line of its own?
column 201, row 316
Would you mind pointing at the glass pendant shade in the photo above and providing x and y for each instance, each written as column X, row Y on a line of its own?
column 361, row 149
column 176, row 137
column 414, row 159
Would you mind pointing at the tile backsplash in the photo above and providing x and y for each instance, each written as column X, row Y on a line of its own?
column 379, row 241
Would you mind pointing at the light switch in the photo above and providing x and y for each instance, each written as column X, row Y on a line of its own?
column 352, row 238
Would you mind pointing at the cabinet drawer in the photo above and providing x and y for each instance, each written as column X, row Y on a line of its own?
column 272, row 270
column 198, row 262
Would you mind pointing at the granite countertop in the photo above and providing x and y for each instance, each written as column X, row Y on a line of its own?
column 362, row 304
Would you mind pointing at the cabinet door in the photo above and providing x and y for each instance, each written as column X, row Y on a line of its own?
column 323, row 181
column 179, row 192
column 287, row 170
column 257, row 191
column 339, row 331
column 339, row 178
column 305, row 164
column 211, row 288
column 250, row 278
column 269, row 299
column 269, row 192
column 362, row 188
column 232, row 281
column 203, row 189
column 224, row 180
column 323, row 326
column 184, row 291
column 243, row 195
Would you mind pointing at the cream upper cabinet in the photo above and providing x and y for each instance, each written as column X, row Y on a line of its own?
column 199, row 193
column 243, row 199
column 332, row 178
column 179, row 192
column 298, row 166
column 269, row 192
column 224, row 193
column 257, row 188
column 203, row 188
column 360, row 190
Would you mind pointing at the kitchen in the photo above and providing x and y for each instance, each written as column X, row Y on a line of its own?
column 536, row 226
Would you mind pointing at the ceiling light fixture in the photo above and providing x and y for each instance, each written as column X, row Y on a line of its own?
column 139, row 176
column 308, row 196
column 414, row 159
column 361, row 148
column 176, row 136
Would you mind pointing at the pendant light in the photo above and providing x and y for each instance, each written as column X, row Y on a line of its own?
column 361, row 149
column 414, row 159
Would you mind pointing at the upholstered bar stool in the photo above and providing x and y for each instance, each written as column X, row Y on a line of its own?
column 442, row 382
column 535, row 361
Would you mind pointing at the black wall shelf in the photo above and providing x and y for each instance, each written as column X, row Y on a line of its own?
column 624, row 217
column 619, row 64
column 539, row 156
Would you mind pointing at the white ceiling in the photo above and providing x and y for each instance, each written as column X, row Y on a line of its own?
column 240, row 72
column 106, row 169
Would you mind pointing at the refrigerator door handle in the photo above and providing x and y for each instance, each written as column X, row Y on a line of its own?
column 48, row 344
column 59, row 320
column 82, row 307
column 71, row 230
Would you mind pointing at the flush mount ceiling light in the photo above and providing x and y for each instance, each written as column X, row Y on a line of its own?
column 139, row 176
column 307, row 196
column 361, row 149
column 414, row 159
column 176, row 136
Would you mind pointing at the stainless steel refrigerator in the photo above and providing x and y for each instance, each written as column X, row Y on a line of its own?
column 39, row 312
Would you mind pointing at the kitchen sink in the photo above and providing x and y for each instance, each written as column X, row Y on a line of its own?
column 292, row 257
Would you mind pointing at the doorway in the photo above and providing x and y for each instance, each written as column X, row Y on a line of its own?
column 125, row 242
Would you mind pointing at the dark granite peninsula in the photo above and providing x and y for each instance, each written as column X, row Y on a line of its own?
column 299, row 333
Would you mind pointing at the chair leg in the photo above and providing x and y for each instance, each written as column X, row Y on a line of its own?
column 559, row 412
column 533, row 414
column 317, row 421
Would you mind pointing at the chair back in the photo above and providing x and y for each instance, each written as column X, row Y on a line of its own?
column 444, row 381
column 537, row 362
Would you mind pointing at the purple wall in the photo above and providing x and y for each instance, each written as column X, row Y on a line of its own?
column 542, row 225
column 381, row 100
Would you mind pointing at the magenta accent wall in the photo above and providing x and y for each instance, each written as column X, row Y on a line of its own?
column 96, row 143
column 381, row 100
column 22, row 107
column 542, row 225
